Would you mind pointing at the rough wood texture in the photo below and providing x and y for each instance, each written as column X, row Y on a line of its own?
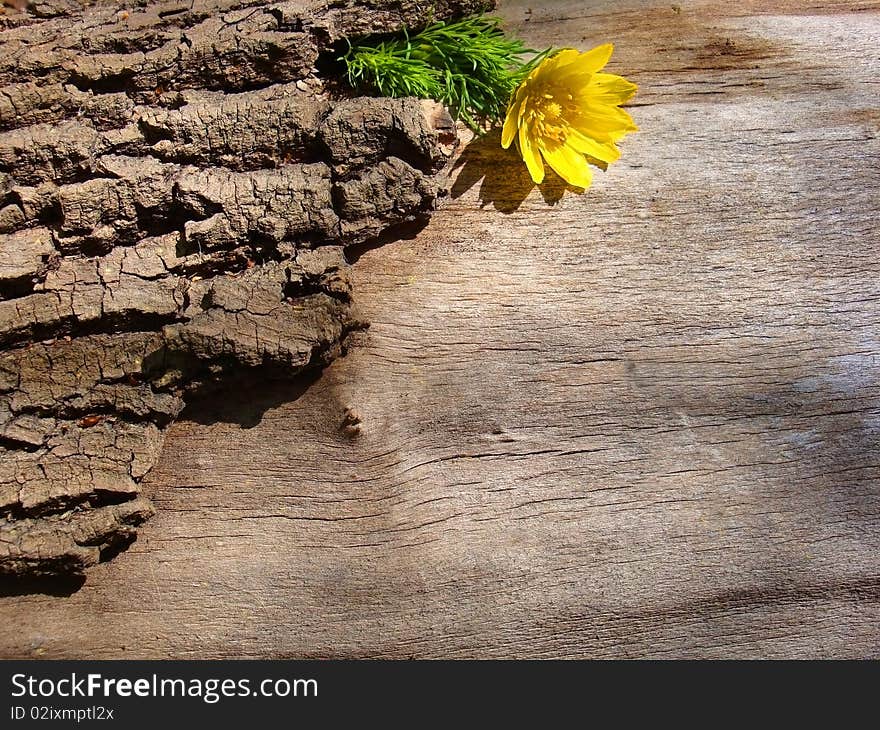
column 641, row 422
column 177, row 187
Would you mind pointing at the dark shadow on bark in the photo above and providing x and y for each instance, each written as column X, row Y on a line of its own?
column 117, row 546
column 244, row 398
column 405, row 231
column 55, row 585
column 506, row 182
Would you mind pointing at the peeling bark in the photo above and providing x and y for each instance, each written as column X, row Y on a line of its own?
column 177, row 185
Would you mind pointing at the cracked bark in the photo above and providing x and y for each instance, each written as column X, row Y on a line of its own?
column 177, row 185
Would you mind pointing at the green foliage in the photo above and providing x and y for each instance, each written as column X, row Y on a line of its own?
column 469, row 65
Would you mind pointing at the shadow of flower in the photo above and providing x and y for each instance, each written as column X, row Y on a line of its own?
column 506, row 181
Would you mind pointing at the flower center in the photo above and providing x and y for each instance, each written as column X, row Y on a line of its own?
column 552, row 110
column 548, row 117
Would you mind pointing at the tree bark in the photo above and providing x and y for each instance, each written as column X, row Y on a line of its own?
column 177, row 186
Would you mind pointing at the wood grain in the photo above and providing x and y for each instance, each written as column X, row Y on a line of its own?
column 640, row 422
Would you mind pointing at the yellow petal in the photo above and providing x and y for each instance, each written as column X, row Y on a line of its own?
column 599, row 120
column 590, row 105
column 511, row 123
column 611, row 89
column 514, row 115
column 618, row 135
column 569, row 164
column 603, row 151
column 531, row 155
column 558, row 60
column 589, row 61
column 579, row 76
column 548, row 69
column 578, row 84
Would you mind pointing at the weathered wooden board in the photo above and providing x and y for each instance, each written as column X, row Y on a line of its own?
column 641, row 422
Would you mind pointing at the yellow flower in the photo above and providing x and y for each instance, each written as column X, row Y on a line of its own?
column 567, row 112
